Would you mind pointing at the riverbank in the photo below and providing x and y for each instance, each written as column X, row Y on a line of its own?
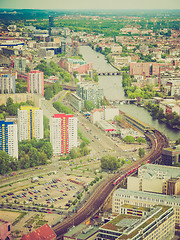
column 113, row 90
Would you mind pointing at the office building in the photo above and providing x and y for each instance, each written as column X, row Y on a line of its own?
column 138, row 223
column 171, row 155
column 36, row 82
column 145, row 199
column 7, row 83
column 30, row 123
column 51, row 24
column 63, row 133
column 90, row 92
column 157, row 179
column 9, row 138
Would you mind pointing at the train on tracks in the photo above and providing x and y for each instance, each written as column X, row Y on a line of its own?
column 97, row 199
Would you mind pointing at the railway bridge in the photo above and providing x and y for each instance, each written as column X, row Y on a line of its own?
column 97, row 199
column 109, row 73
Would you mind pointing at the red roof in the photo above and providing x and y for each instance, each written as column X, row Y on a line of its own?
column 62, row 115
column 42, row 233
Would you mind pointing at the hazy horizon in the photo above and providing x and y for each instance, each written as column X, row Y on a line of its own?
column 91, row 5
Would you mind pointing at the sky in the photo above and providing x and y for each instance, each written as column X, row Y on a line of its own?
column 90, row 4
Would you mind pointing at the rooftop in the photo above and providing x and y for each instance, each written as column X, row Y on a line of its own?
column 153, row 197
column 129, row 226
column 82, row 231
column 159, row 171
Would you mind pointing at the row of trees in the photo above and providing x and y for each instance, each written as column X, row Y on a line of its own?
column 61, row 108
column 31, row 153
column 131, row 139
column 171, row 119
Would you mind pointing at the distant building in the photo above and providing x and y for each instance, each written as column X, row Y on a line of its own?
column 137, row 223
column 90, row 92
column 20, row 64
column 36, row 82
column 30, row 123
column 9, row 138
column 51, row 24
column 42, row 233
column 157, row 179
column 5, row 230
column 76, row 101
column 72, row 65
column 63, row 47
column 63, row 133
column 7, row 83
column 144, row 199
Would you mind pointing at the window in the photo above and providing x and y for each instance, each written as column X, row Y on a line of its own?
column 9, row 228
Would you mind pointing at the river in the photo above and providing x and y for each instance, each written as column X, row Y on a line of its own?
column 113, row 90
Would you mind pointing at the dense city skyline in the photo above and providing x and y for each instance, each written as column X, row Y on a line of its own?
column 81, row 4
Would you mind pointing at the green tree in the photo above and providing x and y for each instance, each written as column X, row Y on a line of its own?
column 109, row 163
column 129, row 139
column 89, row 106
column 48, row 150
column 141, row 152
column 141, row 140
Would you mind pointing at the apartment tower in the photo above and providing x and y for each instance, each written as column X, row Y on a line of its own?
column 8, row 138
column 30, row 123
column 36, row 82
column 63, row 133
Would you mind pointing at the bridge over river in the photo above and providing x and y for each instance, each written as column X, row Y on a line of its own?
column 109, row 73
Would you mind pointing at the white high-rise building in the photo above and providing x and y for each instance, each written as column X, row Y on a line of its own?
column 8, row 138
column 30, row 123
column 35, row 82
column 63, row 133
column 7, row 83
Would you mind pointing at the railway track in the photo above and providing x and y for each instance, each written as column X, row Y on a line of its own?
column 97, row 199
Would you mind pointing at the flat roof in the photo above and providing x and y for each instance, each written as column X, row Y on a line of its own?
column 153, row 170
column 81, row 231
column 129, row 226
column 167, row 199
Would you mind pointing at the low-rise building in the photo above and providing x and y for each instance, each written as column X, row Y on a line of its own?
column 76, row 101
column 137, row 223
column 44, row 232
column 5, row 230
column 171, row 155
column 82, row 232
